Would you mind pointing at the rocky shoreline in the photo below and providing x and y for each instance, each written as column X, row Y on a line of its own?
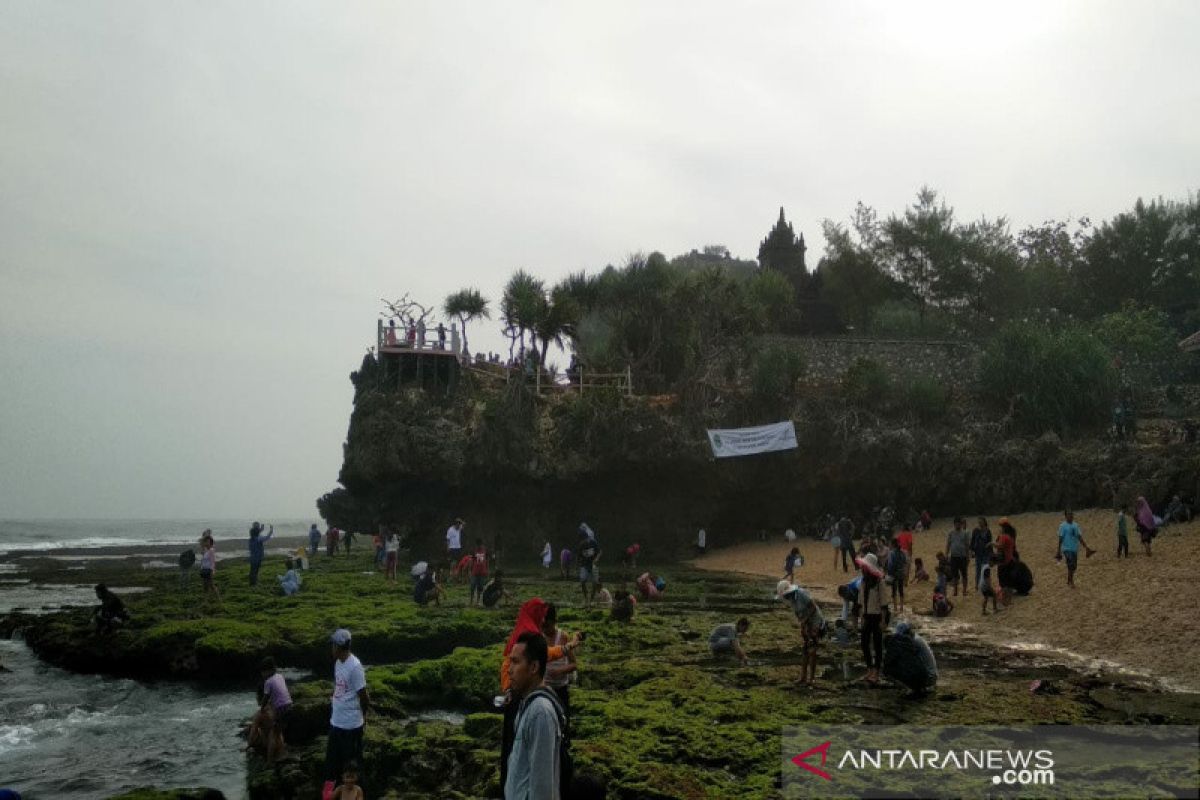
column 655, row 714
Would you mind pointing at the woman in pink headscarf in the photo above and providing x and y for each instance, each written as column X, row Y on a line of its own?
column 1143, row 517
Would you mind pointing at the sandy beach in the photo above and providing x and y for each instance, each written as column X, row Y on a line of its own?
column 1139, row 613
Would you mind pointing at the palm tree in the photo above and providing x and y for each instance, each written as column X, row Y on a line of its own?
column 522, row 305
column 468, row 305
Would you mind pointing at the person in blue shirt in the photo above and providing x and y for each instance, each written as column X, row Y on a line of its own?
column 1069, row 539
column 257, row 549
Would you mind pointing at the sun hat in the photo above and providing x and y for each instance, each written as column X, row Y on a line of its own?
column 869, row 563
column 784, row 588
column 340, row 637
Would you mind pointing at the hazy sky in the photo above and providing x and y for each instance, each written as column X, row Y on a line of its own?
column 201, row 203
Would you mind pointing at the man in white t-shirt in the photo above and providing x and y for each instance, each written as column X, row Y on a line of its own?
column 350, row 704
column 454, row 542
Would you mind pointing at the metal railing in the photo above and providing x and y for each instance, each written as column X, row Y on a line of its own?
column 436, row 339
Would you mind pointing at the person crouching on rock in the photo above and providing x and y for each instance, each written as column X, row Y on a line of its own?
column 428, row 589
column 727, row 638
column 111, row 612
column 274, row 701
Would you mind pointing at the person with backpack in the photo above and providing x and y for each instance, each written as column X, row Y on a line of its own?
column 540, row 760
column 187, row 560
column 530, row 617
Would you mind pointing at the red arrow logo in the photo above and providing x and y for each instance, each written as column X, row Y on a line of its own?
column 800, row 760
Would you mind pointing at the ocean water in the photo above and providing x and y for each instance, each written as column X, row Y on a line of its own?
column 80, row 737
column 42, row 535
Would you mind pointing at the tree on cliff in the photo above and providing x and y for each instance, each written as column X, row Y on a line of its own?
column 521, row 306
column 468, row 305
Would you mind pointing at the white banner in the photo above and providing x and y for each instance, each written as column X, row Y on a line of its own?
column 748, row 441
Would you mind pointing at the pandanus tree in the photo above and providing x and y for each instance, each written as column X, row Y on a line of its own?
column 467, row 305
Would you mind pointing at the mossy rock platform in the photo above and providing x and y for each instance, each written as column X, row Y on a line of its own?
column 653, row 712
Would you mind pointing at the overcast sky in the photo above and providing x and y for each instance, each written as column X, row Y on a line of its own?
column 202, row 203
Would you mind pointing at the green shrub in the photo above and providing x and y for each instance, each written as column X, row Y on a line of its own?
column 924, row 398
column 773, row 375
column 867, row 383
column 1048, row 380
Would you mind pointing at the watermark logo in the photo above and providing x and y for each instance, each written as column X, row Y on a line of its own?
column 802, row 760
column 970, row 761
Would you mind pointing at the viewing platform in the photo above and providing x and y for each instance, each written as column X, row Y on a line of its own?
column 427, row 357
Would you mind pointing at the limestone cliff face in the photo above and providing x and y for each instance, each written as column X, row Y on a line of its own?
column 531, row 468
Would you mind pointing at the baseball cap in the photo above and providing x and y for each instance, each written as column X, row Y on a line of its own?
column 340, row 637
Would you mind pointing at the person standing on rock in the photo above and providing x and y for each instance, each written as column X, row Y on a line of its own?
column 958, row 548
column 208, row 565
column 871, row 629
column 981, row 548
column 349, row 706
column 589, row 567
column 812, row 626
column 534, row 766
column 258, row 549
column 454, row 542
column 1069, row 539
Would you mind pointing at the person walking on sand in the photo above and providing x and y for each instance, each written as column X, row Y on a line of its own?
column 844, row 542
column 904, row 540
column 793, row 560
column 258, row 549
column 1147, row 526
column 986, row 589
column 349, row 707
column 958, row 547
column 1069, row 539
column 897, row 569
column 1122, row 532
column 981, row 547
